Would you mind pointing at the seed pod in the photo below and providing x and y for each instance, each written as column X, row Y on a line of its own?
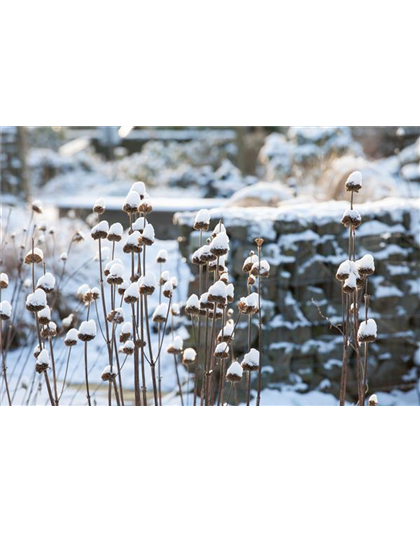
column 189, row 355
column 108, row 374
column 373, row 400
column 42, row 362
column 87, row 330
column 4, row 281
column 354, row 182
column 131, row 202
column 128, row 348
column 44, row 316
column 193, row 305
column 115, row 232
column 251, row 361
column 71, row 337
column 35, row 256
column 234, row 372
column 202, row 220
column 99, row 206
column 100, row 231
column 351, row 218
column 367, row 331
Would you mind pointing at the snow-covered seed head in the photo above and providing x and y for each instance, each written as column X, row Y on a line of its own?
column 42, row 362
column 351, row 218
column 251, row 280
column 213, row 266
column 131, row 202
column 168, row 289
column 188, row 356
column 174, row 281
column 87, row 297
column 46, row 282
column 251, row 360
column 145, row 206
column 107, row 268
column 354, row 182
column 78, row 237
column 87, row 331
column 131, row 294
column 175, row 311
column 164, row 277
column 217, row 293
column 148, row 236
column 162, row 256
column 366, row 265
column 193, row 305
column 126, row 331
column 115, row 232
column 37, row 351
column 140, row 188
column 100, row 231
column 139, row 225
column 4, row 281
column 261, row 268
column 116, row 316
column 196, row 258
column 132, row 244
column 373, row 400
column 220, row 244
column 176, row 346
column 234, row 372
column 205, row 254
column 123, row 287
column 222, row 350
column 96, row 294
column 5, row 310
column 217, row 315
column 71, row 337
column 344, row 270
column 160, row 313
column 37, row 207
column 36, row 301
column 249, row 305
column 99, row 206
column 49, row 331
column 350, row 284
column 202, row 220
column 128, row 348
column 204, row 301
column 226, row 333
column 367, row 331
column 44, row 316
column 249, row 261
column 147, row 284
column 108, row 374
column 116, row 274
column 63, row 257
column 35, row 256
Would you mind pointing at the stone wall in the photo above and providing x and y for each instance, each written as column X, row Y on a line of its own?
column 305, row 244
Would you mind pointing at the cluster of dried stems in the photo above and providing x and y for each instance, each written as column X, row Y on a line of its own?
column 353, row 275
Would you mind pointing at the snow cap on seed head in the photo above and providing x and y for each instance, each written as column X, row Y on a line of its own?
column 202, row 220
column 373, row 400
column 354, row 182
column 189, row 356
column 99, row 206
column 5, row 310
column 234, row 372
column 115, row 232
column 100, row 231
column 131, row 202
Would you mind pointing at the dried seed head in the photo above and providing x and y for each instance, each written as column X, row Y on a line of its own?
column 249, row 261
column 108, row 374
column 42, row 362
column 193, row 305
column 100, row 231
column 351, row 218
column 189, row 355
column 37, row 207
column 259, row 242
column 115, row 232
column 5, row 310
column 128, row 348
column 162, row 256
column 49, row 331
column 4, row 281
column 131, row 202
column 35, row 256
column 251, row 361
column 367, row 331
column 71, row 337
column 116, row 316
column 202, row 220
column 354, row 182
column 87, row 330
column 175, row 311
column 373, row 400
column 99, row 206
column 234, row 372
